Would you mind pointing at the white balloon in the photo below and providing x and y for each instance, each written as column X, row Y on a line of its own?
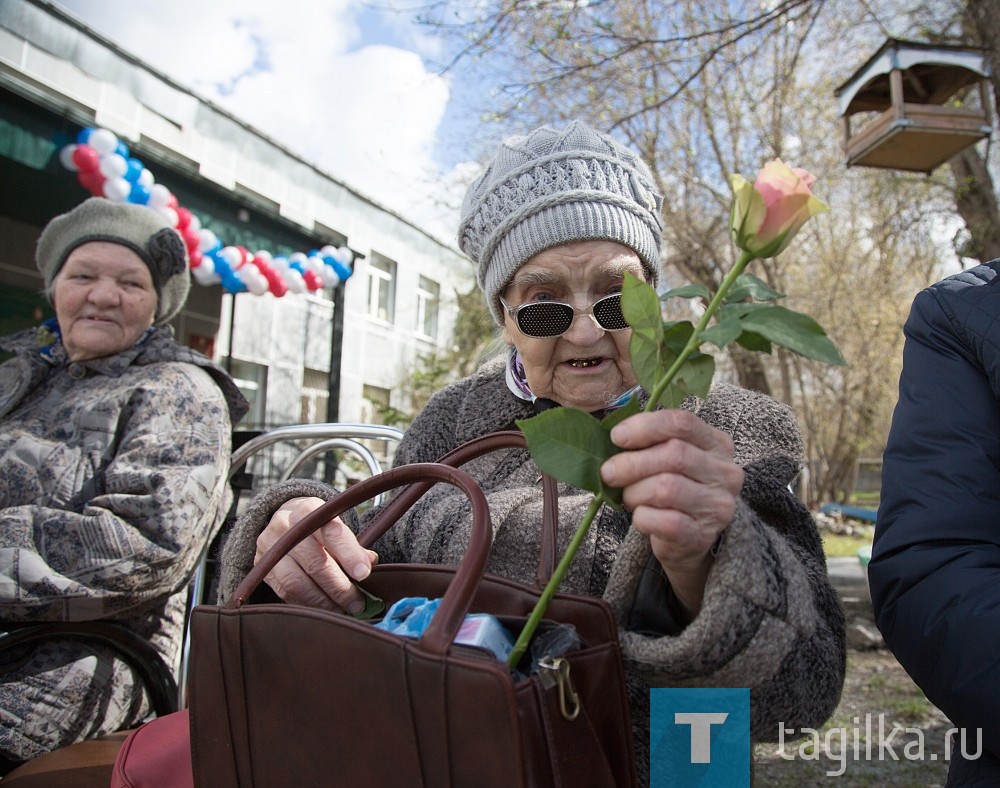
column 255, row 281
column 103, row 141
column 146, row 178
column 231, row 255
column 206, row 239
column 113, row 166
column 264, row 255
column 66, row 158
column 209, row 263
column 205, row 274
column 294, row 281
column 117, row 189
column 159, row 195
column 343, row 255
column 195, row 223
column 167, row 213
column 328, row 250
column 329, row 277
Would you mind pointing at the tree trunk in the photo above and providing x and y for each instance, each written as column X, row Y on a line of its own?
column 750, row 370
column 975, row 198
column 977, row 205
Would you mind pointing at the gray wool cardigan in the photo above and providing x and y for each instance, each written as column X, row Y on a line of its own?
column 770, row 619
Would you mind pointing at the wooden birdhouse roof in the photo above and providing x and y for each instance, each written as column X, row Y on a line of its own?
column 905, row 99
column 936, row 73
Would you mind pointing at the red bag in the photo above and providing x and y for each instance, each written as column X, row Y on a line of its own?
column 156, row 755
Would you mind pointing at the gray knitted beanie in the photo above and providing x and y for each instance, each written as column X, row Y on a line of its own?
column 552, row 187
column 136, row 227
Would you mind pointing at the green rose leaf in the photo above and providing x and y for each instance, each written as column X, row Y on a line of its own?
column 675, row 336
column 568, row 444
column 620, row 414
column 645, row 351
column 640, row 305
column 688, row 291
column 793, row 330
column 753, row 341
column 694, row 378
column 652, row 351
column 726, row 330
column 749, row 286
column 374, row 605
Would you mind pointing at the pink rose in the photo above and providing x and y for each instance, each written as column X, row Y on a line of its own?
column 767, row 214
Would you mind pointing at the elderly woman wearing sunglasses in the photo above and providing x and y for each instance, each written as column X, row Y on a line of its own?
column 715, row 569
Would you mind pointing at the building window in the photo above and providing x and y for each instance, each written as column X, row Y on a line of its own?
column 315, row 396
column 381, row 287
column 428, row 299
column 252, row 381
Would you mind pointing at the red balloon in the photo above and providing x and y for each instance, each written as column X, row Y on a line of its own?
column 312, row 280
column 92, row 181
column 277, row 286
column 87, row 159
column 245, row 256
column 191, row 238
column 194, row 257
column 172, row 201
column 183, row 217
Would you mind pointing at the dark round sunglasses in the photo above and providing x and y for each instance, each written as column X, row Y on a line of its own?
column 552, row 318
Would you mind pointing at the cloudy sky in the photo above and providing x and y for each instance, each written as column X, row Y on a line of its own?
column 343, row 84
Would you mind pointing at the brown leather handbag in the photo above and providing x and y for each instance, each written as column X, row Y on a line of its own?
column 282, row 694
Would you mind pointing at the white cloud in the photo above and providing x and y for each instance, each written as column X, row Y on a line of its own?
column 301, row 72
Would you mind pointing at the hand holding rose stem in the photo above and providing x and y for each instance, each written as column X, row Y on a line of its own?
column 764, row 217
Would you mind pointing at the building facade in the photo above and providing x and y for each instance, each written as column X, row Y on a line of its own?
column 326, row 355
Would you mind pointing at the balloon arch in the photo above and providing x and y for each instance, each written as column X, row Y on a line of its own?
column 105, row 168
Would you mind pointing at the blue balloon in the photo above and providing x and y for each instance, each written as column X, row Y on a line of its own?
column 134, row 169
column 343, row 271
column 122, row 149
column 139, row 194
column 232, row 282
column 83, row 136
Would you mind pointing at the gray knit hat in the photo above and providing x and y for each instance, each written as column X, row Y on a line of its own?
column 136, row 227
column 552, row 187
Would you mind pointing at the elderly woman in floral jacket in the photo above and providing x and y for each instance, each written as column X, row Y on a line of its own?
column 114, row 451
column 714, row 569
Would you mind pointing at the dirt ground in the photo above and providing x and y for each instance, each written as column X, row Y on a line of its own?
column 875, row 685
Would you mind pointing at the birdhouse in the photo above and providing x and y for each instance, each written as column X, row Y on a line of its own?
column 913, row 106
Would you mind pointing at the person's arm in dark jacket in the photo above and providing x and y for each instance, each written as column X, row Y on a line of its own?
column 935, row 570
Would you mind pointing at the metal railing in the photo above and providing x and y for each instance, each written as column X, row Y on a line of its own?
column 318, row 439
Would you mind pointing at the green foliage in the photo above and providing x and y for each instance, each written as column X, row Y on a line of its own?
column 572, row 445
column 780, row 326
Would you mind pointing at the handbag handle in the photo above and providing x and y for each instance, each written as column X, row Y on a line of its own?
column 505, row 439
column 457, row 599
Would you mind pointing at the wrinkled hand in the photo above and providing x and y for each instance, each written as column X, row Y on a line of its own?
column 313, row 572
column 681, row 485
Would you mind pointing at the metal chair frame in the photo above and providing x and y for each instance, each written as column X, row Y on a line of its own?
column 155, row 674
column 329, row 436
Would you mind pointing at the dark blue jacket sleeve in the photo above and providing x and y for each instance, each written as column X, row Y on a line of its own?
column 935, row 569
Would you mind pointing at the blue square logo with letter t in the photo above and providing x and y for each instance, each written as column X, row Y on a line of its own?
column 699, row 738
